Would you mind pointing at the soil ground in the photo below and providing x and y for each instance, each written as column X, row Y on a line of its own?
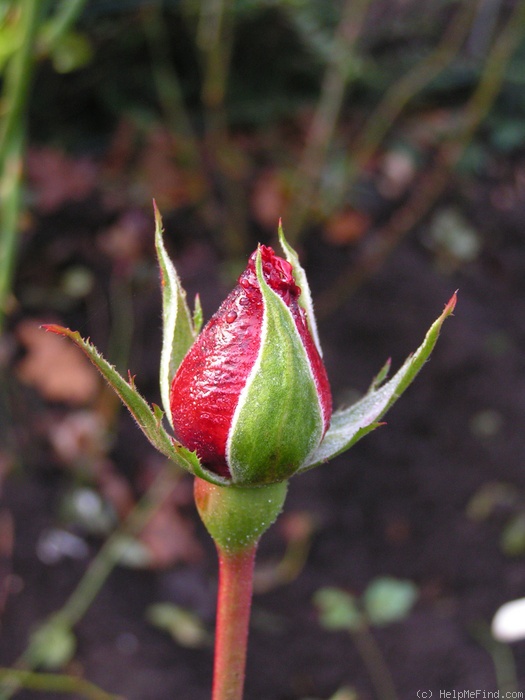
column 397, row 504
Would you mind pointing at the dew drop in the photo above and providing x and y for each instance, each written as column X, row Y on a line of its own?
column 231, row 316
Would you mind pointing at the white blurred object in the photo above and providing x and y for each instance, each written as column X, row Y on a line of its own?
column 55, row 544
column 508, row 624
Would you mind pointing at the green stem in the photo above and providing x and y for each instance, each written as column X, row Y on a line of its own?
column 55, row 683
column 236, row 518
column 168, row 87
column 15, row 97
column 233, row 616
column 375, row 663
column 93, row 580
column 215, row 39
column 429, row 186
column 400, row 93
column 111, row 552
column 12, row 141
column 327, row 112
column 65, row 16
column 502, row 658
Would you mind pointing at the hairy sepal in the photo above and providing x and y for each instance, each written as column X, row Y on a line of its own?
column 305, row 300
column 278, row 421
column 148, row 419
column 178, row 332
column 351, row 424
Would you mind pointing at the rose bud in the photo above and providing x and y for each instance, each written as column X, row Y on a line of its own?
column 248, row 398
column 251, row 396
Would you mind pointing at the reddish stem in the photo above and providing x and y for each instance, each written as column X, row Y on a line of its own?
column 233, row 616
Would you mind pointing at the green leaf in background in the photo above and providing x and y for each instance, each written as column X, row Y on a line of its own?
column 388, row 600
column 72, row 52
column 184, row 626
column 338, row 610
column 52, row 645
column 512, row 540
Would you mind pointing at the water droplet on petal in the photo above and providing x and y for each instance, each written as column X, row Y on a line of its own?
column 231, row 316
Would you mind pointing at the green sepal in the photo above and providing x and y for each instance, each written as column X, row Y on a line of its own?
column 178, row 332
column 351, row 424
column 197, row 315
column 305, row 299
column 149, row 420
column 236, row 517
column 278, row 421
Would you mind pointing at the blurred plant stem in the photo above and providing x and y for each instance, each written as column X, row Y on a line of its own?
column 374, row 661
column 432, row 183
column 405, row 89
column 502, row 658
column 55, row 683
column 65, row 16
column 298, row 532
column 122, row 320
column 15, row 98
column 15, row 93
column 322, row 128
column 98, row 571
column 377, row 124
column 111, row 552
column 225, row 165
column 214, row 40
column 168, row 86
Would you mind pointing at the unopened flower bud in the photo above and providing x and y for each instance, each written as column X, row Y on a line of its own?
column 251, row 396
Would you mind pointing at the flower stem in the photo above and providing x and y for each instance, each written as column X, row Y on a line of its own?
column 233, row 615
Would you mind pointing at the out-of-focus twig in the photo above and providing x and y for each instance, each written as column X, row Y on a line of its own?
column 111, row 552
column 214, row 39
column 15, row 97
column 55, row 683
column 168, row 86
column 66, row 14
column 405, row 89
column 432, row 184
column 105, row 561
column 376, row 665
column 502, row 658
column 324, row 121
column 15, row 91
column 224, row 164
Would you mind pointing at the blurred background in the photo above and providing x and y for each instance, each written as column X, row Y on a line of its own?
column 389, row 136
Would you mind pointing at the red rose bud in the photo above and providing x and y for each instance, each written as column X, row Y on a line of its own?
column 251, row 396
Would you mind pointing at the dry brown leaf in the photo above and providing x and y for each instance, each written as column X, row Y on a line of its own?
column 54, row 367
column 172, row 185
column 268, row 199
column 169, row 538
column 79, row 435
column 128, row 239
column 346, row 227
column 55, row 178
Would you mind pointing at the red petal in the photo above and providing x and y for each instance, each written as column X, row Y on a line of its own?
column 206, row 389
